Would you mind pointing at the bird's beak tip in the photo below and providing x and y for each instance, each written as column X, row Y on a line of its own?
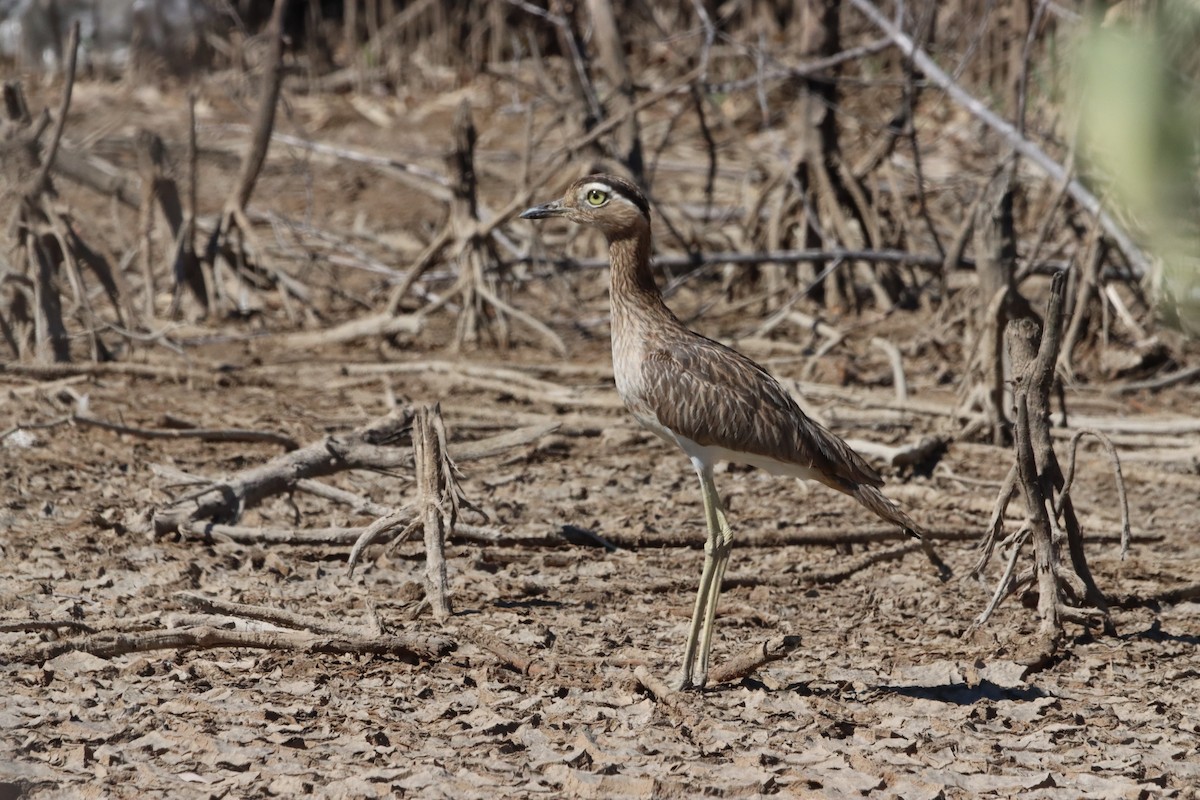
column 552, row 209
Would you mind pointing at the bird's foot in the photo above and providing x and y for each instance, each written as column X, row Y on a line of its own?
column 687, row 683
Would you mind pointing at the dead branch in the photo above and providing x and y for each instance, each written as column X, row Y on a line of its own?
column 922, row 455
column 364, row 448
column 17, row 625
column 657, row 687
column 897, row 362
column 340, row 537
column 485, row 640
column 398, row 524
column 375, row 326
column 371, row 447
column 865, row 561
column 42, row 182
column 50, row 255
column 407, row 647
column 754, row 658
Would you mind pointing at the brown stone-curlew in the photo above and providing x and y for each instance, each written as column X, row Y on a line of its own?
column 712, row 402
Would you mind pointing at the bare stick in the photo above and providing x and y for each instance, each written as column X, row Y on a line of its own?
column 437, row 503
column 655, row 685
column 399, row 521
column 225, row 501
column 861, row 563
column 110, row 645
column 897, row 362
column 1004, row 585
column 753, row 658
column 43, row 177
column 264, row 123
column 526, row 665
column 13, row 626
column 1126, row 533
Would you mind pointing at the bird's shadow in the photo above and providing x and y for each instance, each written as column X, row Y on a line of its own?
column 959, row 694
column 1155, row 633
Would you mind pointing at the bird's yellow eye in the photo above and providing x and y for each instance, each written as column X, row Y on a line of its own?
column 596, row 197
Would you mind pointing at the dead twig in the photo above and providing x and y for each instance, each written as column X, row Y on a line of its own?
column 407, row 647
column 16, row 625
column 524, row 664
column 754, row 658
column 1065, row 492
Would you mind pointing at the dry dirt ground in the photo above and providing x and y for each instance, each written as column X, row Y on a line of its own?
column 885, row 698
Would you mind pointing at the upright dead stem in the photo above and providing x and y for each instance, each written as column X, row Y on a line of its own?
column 232, row 241
column 1066, row 590
column 438, row 502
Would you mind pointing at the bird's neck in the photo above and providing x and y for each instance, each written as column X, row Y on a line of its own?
column 633, row 292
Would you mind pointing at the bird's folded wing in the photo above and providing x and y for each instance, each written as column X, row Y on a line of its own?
column 715, row 396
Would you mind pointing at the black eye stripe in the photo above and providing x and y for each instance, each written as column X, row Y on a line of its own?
column 613, row 186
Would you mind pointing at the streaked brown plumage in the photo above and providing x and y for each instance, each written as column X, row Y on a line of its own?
column 710, row 400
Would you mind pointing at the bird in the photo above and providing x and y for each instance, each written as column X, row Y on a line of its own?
column 709, row 400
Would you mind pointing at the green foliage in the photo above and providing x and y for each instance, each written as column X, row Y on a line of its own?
column 1138, row 100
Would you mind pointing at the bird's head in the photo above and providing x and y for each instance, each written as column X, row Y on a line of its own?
column 612, row 204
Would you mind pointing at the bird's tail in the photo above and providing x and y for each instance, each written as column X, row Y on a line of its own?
column 878, row 502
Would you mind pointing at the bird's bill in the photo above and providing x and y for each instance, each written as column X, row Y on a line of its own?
column 552, row 209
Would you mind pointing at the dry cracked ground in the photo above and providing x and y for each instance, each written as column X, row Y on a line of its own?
column 885, row 697
column 536, row 696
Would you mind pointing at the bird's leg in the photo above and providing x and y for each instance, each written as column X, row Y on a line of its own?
column 722, row 536
column 706, row 600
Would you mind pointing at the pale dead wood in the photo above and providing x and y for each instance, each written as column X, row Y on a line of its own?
column 607, row 39
column 1122, row 499
column 754, row 658
column 370, row 447
column 232, row 241
column 1161, row 382
column 438, row 495
column 363, row 505
column 340, row 536
column 657, row 687
column 408, row 647
column 856, row 565
column 922, row 454
column 848, row 534
column 42, row 182
column 525, row 664
column 375, row 326
column 399, row 525
column 897, row 362
column 54, row 372
column 225, row 501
